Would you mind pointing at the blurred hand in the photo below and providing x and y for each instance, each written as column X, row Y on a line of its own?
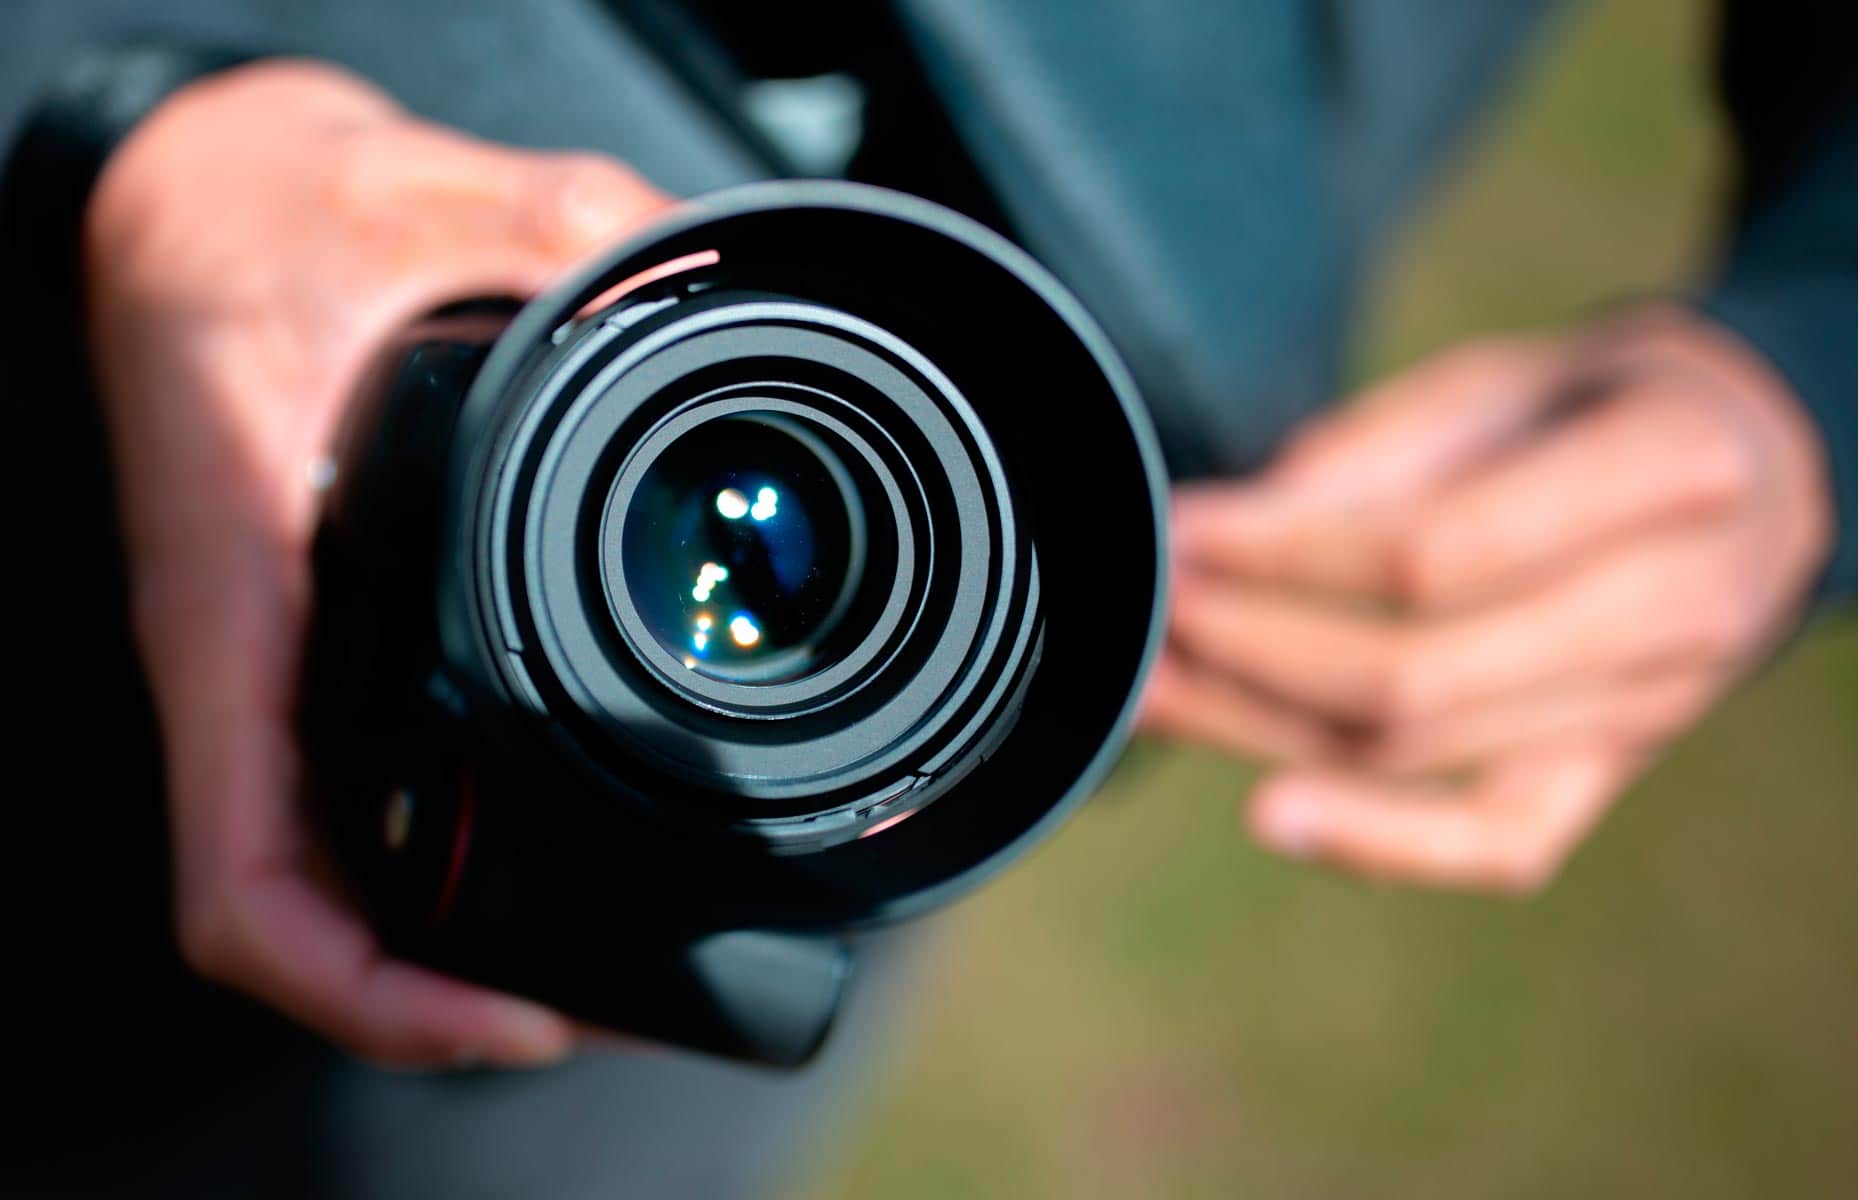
column 1467, row 607
column 247, row 249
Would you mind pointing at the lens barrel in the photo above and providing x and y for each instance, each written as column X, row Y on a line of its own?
column 789, row 571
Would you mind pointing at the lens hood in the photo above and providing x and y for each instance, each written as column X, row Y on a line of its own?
column 788, row 571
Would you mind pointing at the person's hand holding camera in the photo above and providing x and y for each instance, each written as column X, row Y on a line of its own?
column 247, row 249
column 1466, row 608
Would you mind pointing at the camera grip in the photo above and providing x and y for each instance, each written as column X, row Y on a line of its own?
column 456, row 880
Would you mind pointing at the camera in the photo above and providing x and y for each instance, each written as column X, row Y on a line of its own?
column 789, row 571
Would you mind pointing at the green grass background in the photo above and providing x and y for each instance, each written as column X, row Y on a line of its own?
column 1150, row 1007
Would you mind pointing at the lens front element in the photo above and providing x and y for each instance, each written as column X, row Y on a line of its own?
column 744, row 545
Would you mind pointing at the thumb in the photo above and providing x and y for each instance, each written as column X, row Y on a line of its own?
column 570, row 205
column 525, row 219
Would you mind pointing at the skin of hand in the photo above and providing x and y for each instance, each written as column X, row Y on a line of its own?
column 1461, row 612
column 247, row 249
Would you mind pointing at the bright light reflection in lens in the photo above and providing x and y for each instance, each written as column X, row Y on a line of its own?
column 733, row 505
column 708, row 576
column 766, row 502
column 743, row 629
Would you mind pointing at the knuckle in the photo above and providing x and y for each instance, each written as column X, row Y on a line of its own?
column 1723, row 461
column 582, row 196
column 207, row 933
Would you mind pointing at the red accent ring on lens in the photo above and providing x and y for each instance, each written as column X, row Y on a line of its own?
column 461, row 846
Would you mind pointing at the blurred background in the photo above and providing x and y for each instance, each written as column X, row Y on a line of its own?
column 1150, row 1007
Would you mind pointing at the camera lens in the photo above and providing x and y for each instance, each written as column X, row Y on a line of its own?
column 744, row 546
column 766, row 542
column 790, row 570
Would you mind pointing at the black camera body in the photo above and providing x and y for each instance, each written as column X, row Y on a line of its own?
column 790, row 571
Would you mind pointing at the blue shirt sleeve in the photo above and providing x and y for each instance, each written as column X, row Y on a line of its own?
column 1789, row 283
